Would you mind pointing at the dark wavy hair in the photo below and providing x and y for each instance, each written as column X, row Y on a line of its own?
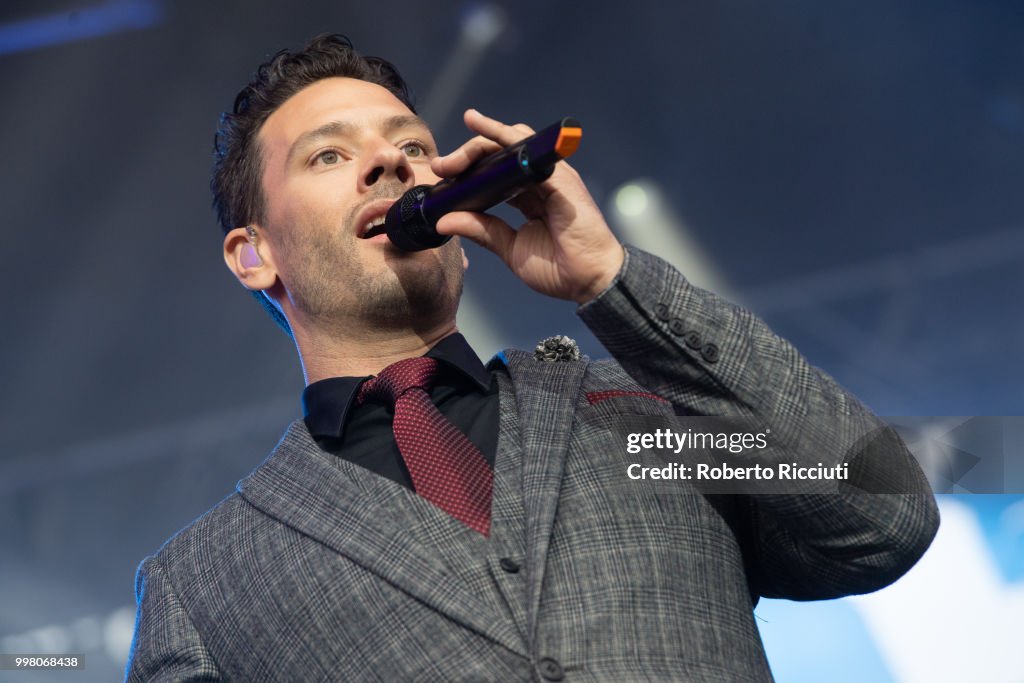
column 237, row 159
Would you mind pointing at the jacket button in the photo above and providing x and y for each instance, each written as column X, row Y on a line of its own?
column 675, row 326
column 692, row 339
column 709, row 352
column 661, row 311
column 550, row 669
column 509, row 565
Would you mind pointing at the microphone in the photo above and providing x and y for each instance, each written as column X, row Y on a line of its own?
column 411, row 221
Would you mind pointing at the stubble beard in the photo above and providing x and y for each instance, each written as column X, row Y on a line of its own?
column 331, row 286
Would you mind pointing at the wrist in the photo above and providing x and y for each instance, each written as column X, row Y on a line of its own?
column 609, row 273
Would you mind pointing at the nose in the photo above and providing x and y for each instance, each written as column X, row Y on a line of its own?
column 385, row 162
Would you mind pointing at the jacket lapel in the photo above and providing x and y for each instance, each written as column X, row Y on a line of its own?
column 546, row 395
column 344, row 507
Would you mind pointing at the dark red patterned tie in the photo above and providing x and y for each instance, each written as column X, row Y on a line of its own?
column 446, row 468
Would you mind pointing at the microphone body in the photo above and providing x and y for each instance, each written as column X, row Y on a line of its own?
column 411, row 221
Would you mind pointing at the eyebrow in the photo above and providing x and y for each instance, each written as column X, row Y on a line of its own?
column 345, row 129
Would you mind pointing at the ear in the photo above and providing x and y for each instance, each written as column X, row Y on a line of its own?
column 465, row 261
column 245, row 258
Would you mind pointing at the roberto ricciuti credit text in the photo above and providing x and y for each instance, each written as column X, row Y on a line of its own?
column 703, row 471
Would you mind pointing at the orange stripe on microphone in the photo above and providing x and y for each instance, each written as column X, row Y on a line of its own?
column 568, row 141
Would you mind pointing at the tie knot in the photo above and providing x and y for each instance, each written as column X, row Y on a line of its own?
column 398, row 378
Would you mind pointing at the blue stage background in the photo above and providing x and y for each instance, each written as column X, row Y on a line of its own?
column 851, row 171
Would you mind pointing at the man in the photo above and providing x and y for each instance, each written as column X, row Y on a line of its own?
column 344, row 557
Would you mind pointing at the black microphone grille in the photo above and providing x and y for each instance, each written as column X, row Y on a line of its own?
column 409, row 203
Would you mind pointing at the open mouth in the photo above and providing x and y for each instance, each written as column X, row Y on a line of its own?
column 373, row 217
column 374, row 228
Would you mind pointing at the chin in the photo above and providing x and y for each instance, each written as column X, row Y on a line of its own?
column 420, row 296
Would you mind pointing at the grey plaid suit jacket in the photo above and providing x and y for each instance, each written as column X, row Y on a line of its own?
column 315, row 569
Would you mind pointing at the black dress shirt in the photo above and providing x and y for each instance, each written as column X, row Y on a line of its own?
column 465, row 392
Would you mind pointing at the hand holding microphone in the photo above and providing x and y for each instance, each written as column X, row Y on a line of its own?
column 411, row 222
column 564, row 249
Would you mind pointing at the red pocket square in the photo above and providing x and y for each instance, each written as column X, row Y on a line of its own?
column 597, row 396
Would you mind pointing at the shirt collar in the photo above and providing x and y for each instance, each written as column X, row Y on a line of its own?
column 325, row 404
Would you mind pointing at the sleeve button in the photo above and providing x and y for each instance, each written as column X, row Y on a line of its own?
column 550, row 669
column 709, row 352
column 675, row 326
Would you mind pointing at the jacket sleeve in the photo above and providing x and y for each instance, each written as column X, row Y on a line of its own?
column 166, row 645
column 710, row 357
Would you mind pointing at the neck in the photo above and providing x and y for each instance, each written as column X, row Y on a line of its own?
column 367, row 353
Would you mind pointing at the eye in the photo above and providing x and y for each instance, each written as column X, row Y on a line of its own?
column 414, row 149
column 328, row 157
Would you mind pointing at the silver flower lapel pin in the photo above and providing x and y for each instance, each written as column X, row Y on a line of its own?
column 557, row 348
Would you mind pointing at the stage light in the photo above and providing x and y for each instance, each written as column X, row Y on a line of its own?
column 643, row 217
column 631, row 200
column 79, row 24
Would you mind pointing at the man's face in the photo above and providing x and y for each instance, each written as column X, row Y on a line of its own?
column 335, row 156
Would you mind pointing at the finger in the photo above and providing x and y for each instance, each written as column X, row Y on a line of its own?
column 529, row 202
column 494, row 135
column 490, row 232
column 463, row 157
column 565, row 182
column 493, row 129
